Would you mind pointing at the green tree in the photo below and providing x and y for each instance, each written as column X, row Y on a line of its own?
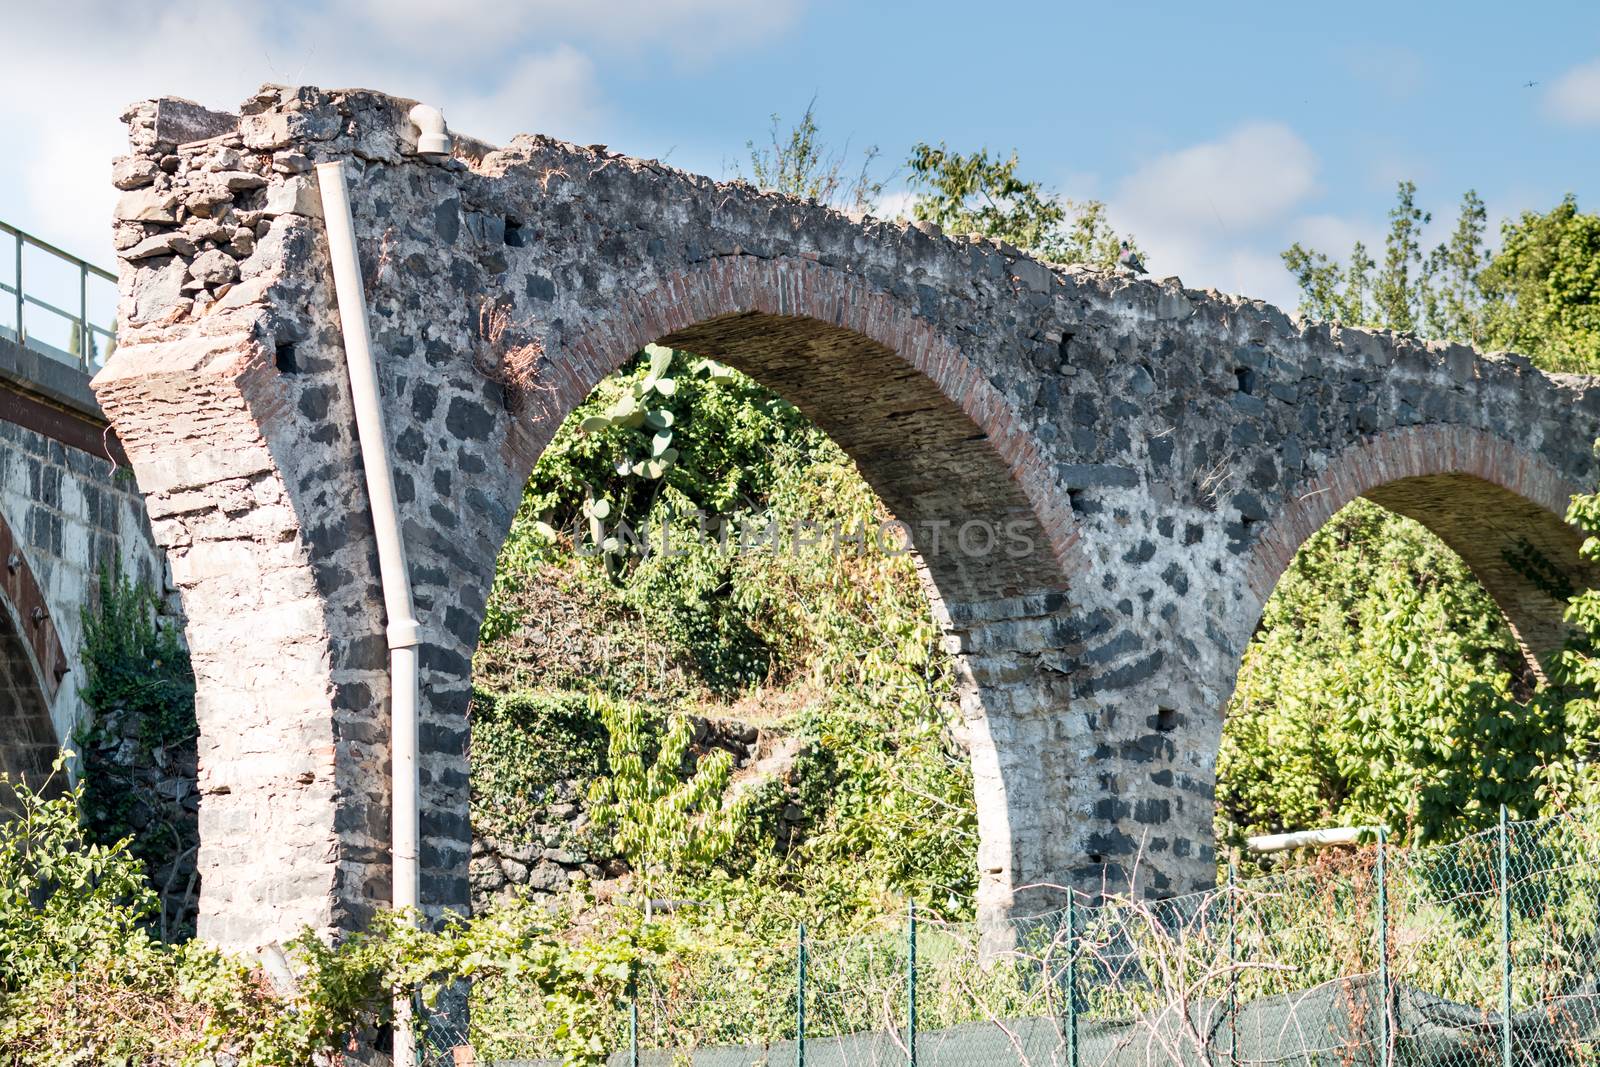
column 1538, row 294
column 1383, row 684
column 974, row 193
column 1378, row 689
column 1543, row 288
column 1571, row 777
column 663, row 821
column 1452, row 293
column 1397, row 291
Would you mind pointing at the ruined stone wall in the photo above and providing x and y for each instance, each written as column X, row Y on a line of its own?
column 1168, row 448
column 560, row 848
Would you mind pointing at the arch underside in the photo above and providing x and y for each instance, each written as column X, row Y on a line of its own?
column 1525, row 556
column 27, row 738
column 937, row 469
column 931, row 465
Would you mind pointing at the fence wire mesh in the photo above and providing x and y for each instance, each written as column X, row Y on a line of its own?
column 1482, row 952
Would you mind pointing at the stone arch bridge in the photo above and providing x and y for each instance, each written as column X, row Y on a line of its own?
column 1167, row 448
column 68, row 508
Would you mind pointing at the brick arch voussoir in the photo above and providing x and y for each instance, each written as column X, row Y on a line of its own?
column 802, row 288
column 1376, row 461
column 21, row 590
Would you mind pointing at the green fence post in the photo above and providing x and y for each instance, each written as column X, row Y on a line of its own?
column 1233, row 967
column 1505, row 943
column 633, row 1021
column 1383, row 949
column 800, row 1002
column 911, row 982
column 1072, row 982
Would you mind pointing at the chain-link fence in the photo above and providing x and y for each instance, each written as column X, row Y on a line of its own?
column 1485, row 951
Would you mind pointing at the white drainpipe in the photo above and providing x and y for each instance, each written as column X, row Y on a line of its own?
column 392, row 571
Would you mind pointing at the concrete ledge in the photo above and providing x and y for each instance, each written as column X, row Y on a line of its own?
column 49, row 378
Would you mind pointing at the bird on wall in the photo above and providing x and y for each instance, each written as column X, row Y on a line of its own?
column 1128, row 259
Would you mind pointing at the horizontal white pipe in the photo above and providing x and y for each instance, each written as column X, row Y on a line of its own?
column 1336, row 835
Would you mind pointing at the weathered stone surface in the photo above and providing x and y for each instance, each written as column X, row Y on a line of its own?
column 131, row 172
column 213, row 268
column 184, row 121
column 161, row 244
column 1103, row 477
column 239, row 181
column 147, row 205
column 295, row 196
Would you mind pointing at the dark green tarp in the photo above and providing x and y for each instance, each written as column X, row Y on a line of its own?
column 1337, row 1025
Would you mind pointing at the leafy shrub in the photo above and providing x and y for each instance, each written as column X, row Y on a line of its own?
column 133, row 662
column 663, row 820
column 1377, row 690
column 82, row 979
column 844, row 643
column 140, row 692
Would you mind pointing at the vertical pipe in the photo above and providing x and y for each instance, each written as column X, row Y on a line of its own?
column 393, row 573
column 911, row 982
column 1383, row 950
column 1505, row 943
column 1233, row 966
column 1072, row 980
column 800, row 1001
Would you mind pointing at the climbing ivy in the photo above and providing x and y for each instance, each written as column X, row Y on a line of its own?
column 141, row 728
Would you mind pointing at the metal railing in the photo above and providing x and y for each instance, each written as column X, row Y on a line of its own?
column 85, row 343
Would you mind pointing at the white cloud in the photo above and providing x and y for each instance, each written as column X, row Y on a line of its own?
column 1248, row 179
column 1213, row 213
column 1574, row 98
column 895, row 205
column 1334, row 234
column 556, row 92
column 84, row 63
column 495, row 68
column 687, row 28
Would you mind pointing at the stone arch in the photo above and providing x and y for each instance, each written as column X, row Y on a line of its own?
column 32, row 664
column 822, row 337
column 1486, row 498
column 940, row 446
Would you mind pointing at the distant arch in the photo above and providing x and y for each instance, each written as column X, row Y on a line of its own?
column 1492, row 502
column 32, row 664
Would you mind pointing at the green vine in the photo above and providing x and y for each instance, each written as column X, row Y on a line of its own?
column 140, row 692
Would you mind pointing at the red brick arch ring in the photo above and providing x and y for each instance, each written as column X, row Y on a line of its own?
column 1483, row 496
column 927, row 428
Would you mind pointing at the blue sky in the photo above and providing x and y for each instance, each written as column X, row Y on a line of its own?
column 1216, row 133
